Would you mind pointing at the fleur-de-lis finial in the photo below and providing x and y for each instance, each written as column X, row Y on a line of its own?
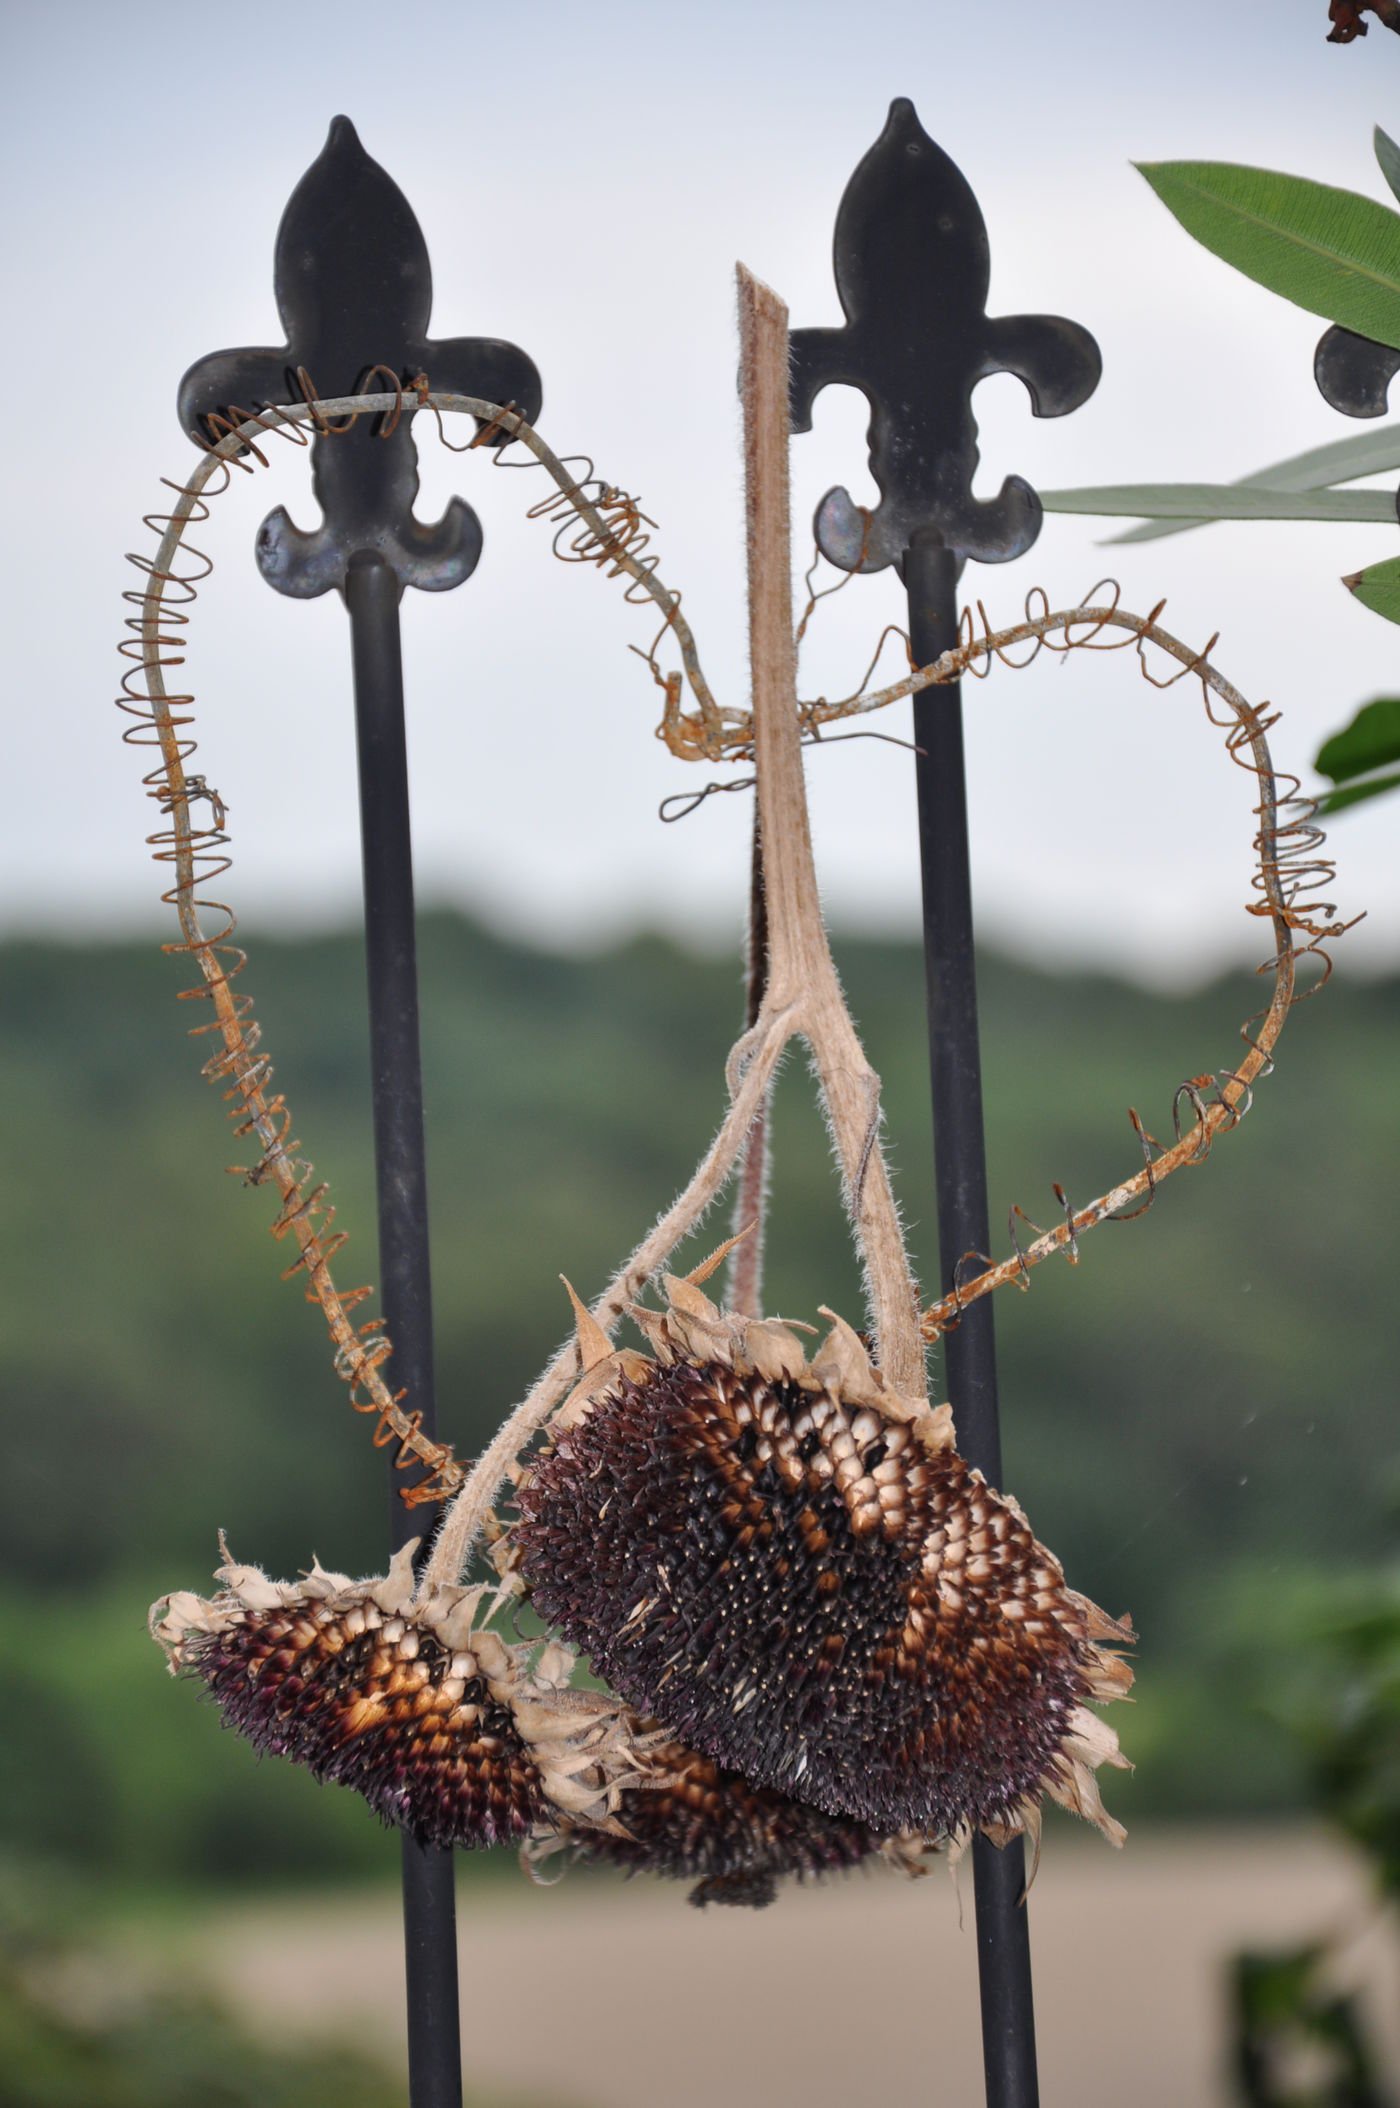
column 1354, row 373
column 354, row 290
column 912, row 268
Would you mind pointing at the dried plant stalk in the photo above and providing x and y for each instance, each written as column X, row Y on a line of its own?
column 803, row 996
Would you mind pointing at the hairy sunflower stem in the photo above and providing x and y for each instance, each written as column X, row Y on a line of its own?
column 466, row 1518
column 751, row 1205
column 802, row 978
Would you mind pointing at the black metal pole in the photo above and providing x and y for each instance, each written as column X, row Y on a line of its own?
column 354, row 291
column 930, row 577
column 912, row 265
column 372, row 597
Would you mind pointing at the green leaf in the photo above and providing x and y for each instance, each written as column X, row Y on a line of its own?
column 1340, row 461
column 1222, row 501
column 1356, row 793
column 1388, row 154
column 1330, row 251
column 1370, row 741
column 1378, row 587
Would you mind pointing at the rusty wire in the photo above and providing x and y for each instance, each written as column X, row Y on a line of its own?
column 1288, row 882
column 595, row 523
column 1288, row 879
column 199, row 857
column 599, row 524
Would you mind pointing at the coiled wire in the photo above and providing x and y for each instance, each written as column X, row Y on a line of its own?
column 595, row 523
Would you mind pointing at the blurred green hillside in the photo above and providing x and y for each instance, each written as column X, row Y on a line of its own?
column 1198, row 1417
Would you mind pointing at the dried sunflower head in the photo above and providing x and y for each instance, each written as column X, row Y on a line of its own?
column 794, row 1569
column 694, row 1821
column 448, row 1732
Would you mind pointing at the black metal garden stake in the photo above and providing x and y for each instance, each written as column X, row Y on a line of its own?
column 354, row 291
column 912, row 269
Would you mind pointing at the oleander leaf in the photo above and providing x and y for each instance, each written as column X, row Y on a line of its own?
column 1331, row 251
column 1370, row 741
column 1388, row 154
column 1221, row 501
column 1378, row 587
column 1357, row 793
column 1340, row 461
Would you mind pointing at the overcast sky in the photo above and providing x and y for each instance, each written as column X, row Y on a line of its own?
column 586, row 178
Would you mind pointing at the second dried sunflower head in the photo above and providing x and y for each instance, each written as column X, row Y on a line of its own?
column 417, row 1704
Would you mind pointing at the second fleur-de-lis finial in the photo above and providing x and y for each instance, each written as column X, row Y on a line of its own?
column 1354, row 373
column 912, row 268
column 355, row 290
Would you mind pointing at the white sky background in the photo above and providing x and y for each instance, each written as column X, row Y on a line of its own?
column 586, row 178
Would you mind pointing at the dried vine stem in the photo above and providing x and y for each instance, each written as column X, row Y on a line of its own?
column 613, row 538
column 1279, row 877
column 1287, row 874
column 197, row 856
column 802, row 996
column 610, row 538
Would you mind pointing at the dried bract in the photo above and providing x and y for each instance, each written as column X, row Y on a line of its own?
column 447, row 1732
column 793, row 1569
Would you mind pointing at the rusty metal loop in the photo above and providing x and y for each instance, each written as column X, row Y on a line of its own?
column 1015, row 1214
column 1148, row 1145
column 1072, row 1246
column 687, row 802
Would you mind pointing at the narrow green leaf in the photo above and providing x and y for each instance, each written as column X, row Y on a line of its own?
column 1221, row 501
column 1331, row 251
column 1378, row 588
column 1340, row 461
column 1357, row 793
column 1370, row 741
column 1388, row 154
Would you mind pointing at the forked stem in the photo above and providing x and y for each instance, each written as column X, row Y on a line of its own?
column 802, row 983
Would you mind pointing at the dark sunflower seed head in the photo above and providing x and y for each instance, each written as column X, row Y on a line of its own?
column 816, row 1594
column 373, row 1704
column 440, row 1726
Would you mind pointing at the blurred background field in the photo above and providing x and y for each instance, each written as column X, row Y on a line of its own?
column 1199, row 1418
